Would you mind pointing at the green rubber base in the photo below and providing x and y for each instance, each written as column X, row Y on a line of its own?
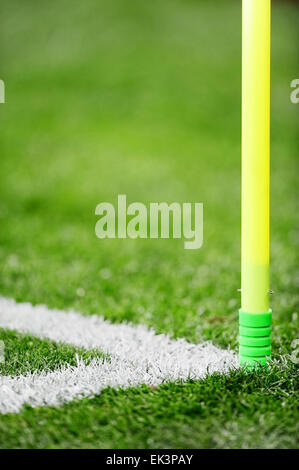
column 254, row 338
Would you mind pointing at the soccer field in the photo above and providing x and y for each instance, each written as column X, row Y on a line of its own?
column 143, row 99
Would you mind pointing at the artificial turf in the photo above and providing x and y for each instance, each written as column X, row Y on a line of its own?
column 143, row 98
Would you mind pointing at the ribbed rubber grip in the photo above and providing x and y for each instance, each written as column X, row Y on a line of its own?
column 254, row 338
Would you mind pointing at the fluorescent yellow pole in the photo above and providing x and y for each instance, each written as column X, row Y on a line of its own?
column 255, row 159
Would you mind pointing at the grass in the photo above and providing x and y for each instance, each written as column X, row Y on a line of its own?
column 142, row 99
column 186, row 415
column 26, row 354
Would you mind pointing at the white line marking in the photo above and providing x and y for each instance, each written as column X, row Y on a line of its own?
column 137, row 356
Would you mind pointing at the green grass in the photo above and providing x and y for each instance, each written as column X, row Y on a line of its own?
column 220, row 412
column 142, row 98
column 26, row 354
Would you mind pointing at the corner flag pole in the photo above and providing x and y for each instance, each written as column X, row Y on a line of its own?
column 255, row 315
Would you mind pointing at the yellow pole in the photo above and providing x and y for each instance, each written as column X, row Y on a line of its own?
column 255, row 171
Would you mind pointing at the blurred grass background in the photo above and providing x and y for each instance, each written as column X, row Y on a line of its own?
column 107, row 98
column 142, row 98
column 104, row 98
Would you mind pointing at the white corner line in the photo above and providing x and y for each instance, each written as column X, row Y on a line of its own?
column 137, row 356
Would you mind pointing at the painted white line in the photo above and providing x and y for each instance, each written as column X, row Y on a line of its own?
column 137, row 355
